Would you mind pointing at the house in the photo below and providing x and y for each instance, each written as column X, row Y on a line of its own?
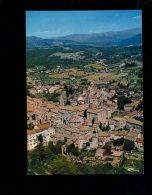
column 85, row 124
column 132, row 114
column 139, row 143
column 134, row 124
column 57, row 136
column 32, row 138
column 119, row 122
column 119, row 148
column 108, row 112
column 73, row 102
column 128, row 107
column 60, row 126
column 135, row 103
column 85, row 130
column 33, row 91
column 47, row 130
column 140, row 114
column 117, row 153
column 104, row 136
column 32, row 135
column 94, row 143
column 74, row 122
column 132, row 106
column 99, row 153
column 111, row 124
column 113, row 107
column 98, row 114
column 118, row 134
column 83, row 139
column 104, row 122
column 133, row 135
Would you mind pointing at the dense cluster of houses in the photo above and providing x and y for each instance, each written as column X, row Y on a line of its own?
column 82, row 121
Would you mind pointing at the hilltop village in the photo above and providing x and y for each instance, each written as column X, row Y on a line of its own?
column 85, row 110
column 91, row 120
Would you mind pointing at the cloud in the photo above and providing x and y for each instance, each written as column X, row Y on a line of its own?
column 136, row 17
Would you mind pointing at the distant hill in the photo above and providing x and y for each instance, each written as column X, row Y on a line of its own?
column 137, row 39
column 106, row 39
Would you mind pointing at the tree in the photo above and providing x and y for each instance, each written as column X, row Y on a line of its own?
column 87, row 144
column 33, row 159
column 122, row 100
column 52, row 147
column 49, row 155
column 129, row 145
column 121, row 170
column 40, row 138
column 107, row 148
column 33, row 117
column 93, row 121
column 75, row 151
column 30, row 126
column 99, row 169
column 40, row 150
column 118, row 142
column 105, row 128
column 70, row 147
column 131, row 81
column 67, row 102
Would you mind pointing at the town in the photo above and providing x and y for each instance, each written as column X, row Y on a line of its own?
column 95, row 110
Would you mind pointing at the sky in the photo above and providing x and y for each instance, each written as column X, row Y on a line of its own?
column 49, row 24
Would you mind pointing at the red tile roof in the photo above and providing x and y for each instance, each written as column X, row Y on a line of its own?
column 113, row 104
column 84, row 124
column 139, row 140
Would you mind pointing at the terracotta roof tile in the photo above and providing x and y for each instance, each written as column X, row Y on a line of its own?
column 44, row 126
column 139, row 140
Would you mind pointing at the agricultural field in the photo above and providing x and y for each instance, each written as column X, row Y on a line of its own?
column 112, row 77
column 59, row 76
column 93, row 76
column 74, row 72
column 96, row 66
column 73, row 56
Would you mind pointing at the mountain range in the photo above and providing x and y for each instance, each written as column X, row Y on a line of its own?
column 104, row 39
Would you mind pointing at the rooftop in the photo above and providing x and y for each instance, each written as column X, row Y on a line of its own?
column 139, row 140
column 132, row 113
column 113, row 105
column 120, row 133
column 136, row 122
column 95, row 111
column 133, row 133
column 44, row 126
column 104, row 134
column 29, row 132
